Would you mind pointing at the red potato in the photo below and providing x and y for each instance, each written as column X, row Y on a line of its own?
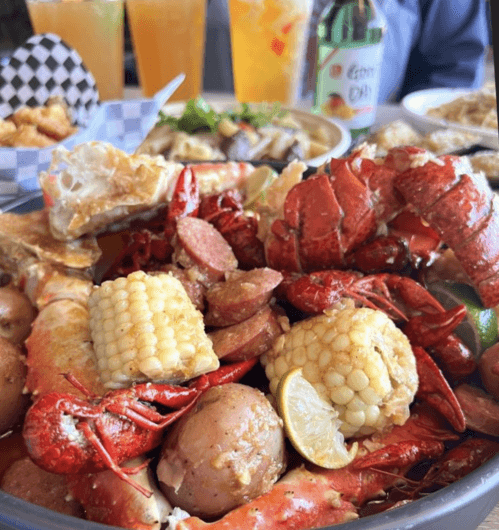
column 223, row 453
column 12, row 378
column 240, row 296
column 26, row 480
column 249, row 338
column 16, row 315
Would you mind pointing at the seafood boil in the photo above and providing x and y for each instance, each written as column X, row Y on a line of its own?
column 219, row 346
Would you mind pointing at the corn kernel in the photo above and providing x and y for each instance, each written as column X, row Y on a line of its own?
column 152, row 331
column 357, row 358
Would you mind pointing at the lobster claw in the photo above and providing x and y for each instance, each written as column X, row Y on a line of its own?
column 436, row 391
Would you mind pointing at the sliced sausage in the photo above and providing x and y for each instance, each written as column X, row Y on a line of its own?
column 199, row 244
column 480, row 410
column 249, row 338
column 241, row 296
column 488, row 366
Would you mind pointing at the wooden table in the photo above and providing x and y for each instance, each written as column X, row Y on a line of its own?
column 385, row 114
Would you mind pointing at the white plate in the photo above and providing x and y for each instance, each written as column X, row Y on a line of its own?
column 416, row 104
column 338, row 136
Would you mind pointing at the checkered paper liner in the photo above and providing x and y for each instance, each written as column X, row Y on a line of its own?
column 45, row 66
column 41, row 68
column 122, row 123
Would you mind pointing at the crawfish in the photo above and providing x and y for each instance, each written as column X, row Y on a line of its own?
column 68, row 435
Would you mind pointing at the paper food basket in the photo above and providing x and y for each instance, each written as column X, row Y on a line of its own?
column 45, row 66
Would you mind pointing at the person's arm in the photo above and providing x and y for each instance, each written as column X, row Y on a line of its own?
column 451, row 47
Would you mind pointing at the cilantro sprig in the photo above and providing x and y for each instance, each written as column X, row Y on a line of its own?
column 199, row 116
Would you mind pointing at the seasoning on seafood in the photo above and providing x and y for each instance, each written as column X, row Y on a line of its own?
column 145, row 328
column 357, row 359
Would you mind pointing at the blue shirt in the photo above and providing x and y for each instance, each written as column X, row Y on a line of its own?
column 433, row 43
column 428, row 43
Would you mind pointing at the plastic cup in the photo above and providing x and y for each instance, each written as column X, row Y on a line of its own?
column 268, row 42
column 95, row 29
column 168, row 38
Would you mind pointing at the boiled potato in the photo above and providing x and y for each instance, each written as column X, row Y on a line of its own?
column 223, row 453
column 16, row 315
column 12, row 377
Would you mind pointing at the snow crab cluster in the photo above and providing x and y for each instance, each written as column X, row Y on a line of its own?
column 204, row 447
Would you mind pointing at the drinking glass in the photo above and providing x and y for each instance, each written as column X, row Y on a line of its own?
column 168, row 38
column 268, row 41
column 95, row 29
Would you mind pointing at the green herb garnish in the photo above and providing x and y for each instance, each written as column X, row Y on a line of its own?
column 199, row 116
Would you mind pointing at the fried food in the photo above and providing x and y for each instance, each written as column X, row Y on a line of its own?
column 37, row 126
column 6, row 129
column 52, row 121
column 27, row 136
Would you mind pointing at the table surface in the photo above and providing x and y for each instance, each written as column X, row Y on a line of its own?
column 385, row 114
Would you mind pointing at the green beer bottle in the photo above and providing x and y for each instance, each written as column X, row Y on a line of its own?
column 349, row 54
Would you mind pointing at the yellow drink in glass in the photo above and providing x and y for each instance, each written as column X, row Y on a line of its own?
column 94, row 28
column 168, row 38
column 268, row 40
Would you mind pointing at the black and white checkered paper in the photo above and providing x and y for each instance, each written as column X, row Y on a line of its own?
column 41, row 68
column 45, row 66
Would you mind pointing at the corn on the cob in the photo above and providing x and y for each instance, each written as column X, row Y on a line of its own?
column 145, row 328
column 357, row 359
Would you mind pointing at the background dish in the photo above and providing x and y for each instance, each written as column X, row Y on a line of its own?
column 339, row 137
column 416, row 104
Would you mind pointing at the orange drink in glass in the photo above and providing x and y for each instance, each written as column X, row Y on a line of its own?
column 168, row 38
column 94, row 28
column 268, row 41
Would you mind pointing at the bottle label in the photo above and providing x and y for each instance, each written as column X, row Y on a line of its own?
column 347, row 83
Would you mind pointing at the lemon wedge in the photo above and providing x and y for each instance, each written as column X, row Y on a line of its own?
column 257, row 183
column 312, row 424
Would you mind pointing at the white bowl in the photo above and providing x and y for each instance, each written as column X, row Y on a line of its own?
column 338, row 135
column 416, row 104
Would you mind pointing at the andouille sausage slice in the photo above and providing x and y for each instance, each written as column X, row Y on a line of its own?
column 199, row 244
column 480, row 410
column 249, row 338
column 488, row 365
column 240, row 296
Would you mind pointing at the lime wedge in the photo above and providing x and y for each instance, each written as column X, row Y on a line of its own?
column 479, row 328
column 311, row 424
column 257, row 183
